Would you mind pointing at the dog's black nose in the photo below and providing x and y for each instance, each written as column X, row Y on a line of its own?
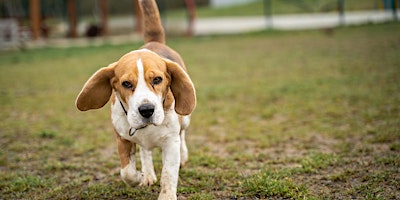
column 146, row 110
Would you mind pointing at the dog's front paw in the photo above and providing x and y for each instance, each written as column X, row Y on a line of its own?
column 130, row 176
column 148, row 179
column 167, row 196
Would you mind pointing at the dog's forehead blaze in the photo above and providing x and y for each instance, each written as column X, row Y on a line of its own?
column 127, row 69
column 150, row 62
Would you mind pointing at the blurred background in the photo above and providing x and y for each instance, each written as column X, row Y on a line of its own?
column 32, row 23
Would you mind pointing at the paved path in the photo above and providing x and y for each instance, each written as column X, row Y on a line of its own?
column 227, row 25
column 288, row 22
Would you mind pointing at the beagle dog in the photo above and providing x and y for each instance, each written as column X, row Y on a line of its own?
column 152, row 97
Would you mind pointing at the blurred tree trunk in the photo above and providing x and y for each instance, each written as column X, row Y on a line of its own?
column 34, row 8
column 72, row 18
column 104, row 17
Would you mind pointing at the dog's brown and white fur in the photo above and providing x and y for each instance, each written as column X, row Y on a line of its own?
column 152, row 97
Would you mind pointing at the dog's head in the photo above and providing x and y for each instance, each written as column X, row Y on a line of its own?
column 145, row 83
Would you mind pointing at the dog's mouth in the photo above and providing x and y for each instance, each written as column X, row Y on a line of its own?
column 132, row 130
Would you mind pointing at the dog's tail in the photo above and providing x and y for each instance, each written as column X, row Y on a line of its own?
column 153, row 30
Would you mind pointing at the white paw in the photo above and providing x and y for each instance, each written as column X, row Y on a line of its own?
column 184, row 156
column 166, row 196
column 148, row 179
column 184, row 159
column 130, row 176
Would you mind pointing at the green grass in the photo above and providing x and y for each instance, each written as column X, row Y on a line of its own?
column 279, row 115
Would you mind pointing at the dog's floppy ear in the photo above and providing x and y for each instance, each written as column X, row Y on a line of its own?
column 182, row 88
column 97, row 90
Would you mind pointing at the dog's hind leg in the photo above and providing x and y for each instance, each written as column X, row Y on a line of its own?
column 149, row 176
column 184, row 150
column 126, row 151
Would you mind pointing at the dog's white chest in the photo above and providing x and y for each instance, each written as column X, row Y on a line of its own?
column 149, row 137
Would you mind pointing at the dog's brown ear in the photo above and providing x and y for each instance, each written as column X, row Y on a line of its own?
column 182, row 88
column 97, row 90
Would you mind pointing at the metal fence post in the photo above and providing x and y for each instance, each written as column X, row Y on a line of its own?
column 394, row 10
column 340, row 5
column 268, row 13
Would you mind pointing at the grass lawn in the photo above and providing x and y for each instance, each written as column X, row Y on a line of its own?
column 279, row 115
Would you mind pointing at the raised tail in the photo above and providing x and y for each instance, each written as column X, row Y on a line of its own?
column 153, row 30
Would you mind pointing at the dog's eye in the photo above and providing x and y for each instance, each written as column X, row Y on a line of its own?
column 127, row 85
column 157, row 80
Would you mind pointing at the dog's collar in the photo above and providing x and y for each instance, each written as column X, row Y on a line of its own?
column 122, row 105
column 120, row 102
